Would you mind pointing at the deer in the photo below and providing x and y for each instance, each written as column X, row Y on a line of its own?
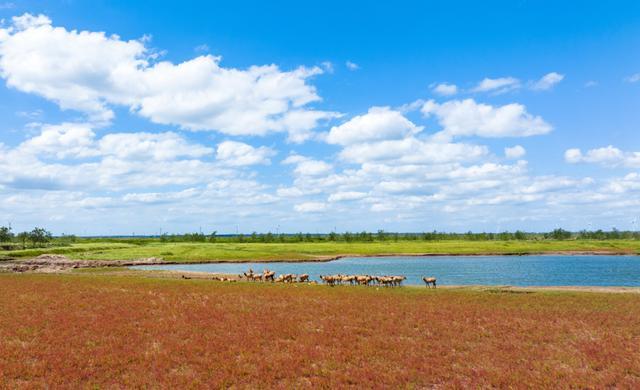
column 429, row 281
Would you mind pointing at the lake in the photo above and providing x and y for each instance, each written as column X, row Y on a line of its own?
column 544, row 270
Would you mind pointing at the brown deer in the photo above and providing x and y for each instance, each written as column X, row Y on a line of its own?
column 303, row 278
column 268, row 275
column 429, row 281
column 330, row 280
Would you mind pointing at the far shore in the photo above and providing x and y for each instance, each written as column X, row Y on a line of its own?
column 320, row 259
column 123, row 251
column 89, row 263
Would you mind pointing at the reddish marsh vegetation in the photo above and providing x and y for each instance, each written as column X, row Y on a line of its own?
column 86, row 331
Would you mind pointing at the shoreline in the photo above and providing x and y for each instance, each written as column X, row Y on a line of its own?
column 97, row 263
column 489, row 288
column 327, row 258
column 212, row 277
column 127, row 271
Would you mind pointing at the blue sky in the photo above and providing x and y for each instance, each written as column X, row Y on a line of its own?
column 123, row 117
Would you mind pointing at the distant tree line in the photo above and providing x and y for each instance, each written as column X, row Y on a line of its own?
column 380, row 235
column 38, row 237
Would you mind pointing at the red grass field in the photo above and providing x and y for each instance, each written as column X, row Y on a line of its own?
column 93, row 331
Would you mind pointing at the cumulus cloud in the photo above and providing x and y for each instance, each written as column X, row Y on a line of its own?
column 91, row 72
column 412, row 151
column 306, row 166
column 498, row 85
column 310, row 207
column 78, row 140
column 313, row 168
column 445, row 89
column 66, row 140
column 547, row 81
column 154, row 146
column 628, row 183
column 377, row 124
column 607, row 156
column 237, row 154
column 514, row 152
column 70, row 155
column 159, row 197
column 290, row 192
column 464, row 118
column 346, row 196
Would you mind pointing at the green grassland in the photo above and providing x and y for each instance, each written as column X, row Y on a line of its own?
column 226, row 251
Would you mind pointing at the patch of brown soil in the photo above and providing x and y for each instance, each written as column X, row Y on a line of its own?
column 48, row 263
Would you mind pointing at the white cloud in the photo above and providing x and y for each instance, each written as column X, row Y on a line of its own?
column 352, row 65
column 412, row 151
column 159, row 197
column 445, row 89
column 300, row 123
column 310, row 207
column 201, row 95
column 306, row 166
column 77, row 140
column 547, row 81
column 155, row 146
column 69, row 156
column 90, row 71
column 628, row 183
column 607, row 156
column 62, row 141
column 237, row 154
column 497, row 86
column 294, row 159
column 573, row 156
column 463, row 118
column 634, row 78
column 106, row 174
column 346, row 196
column 312, row 168
column 74, row 69
column 514, row 152
column 378, row 123
column 290, row 192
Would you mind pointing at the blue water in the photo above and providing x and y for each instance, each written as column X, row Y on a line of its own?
column 548, row 270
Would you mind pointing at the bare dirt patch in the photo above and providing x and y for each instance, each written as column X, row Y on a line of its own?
column 50, row 263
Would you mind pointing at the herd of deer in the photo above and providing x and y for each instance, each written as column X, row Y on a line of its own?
column 270, row 276
column 332, row 280
column 364, row 280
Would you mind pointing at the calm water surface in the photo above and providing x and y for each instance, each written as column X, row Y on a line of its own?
column 548, row 270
